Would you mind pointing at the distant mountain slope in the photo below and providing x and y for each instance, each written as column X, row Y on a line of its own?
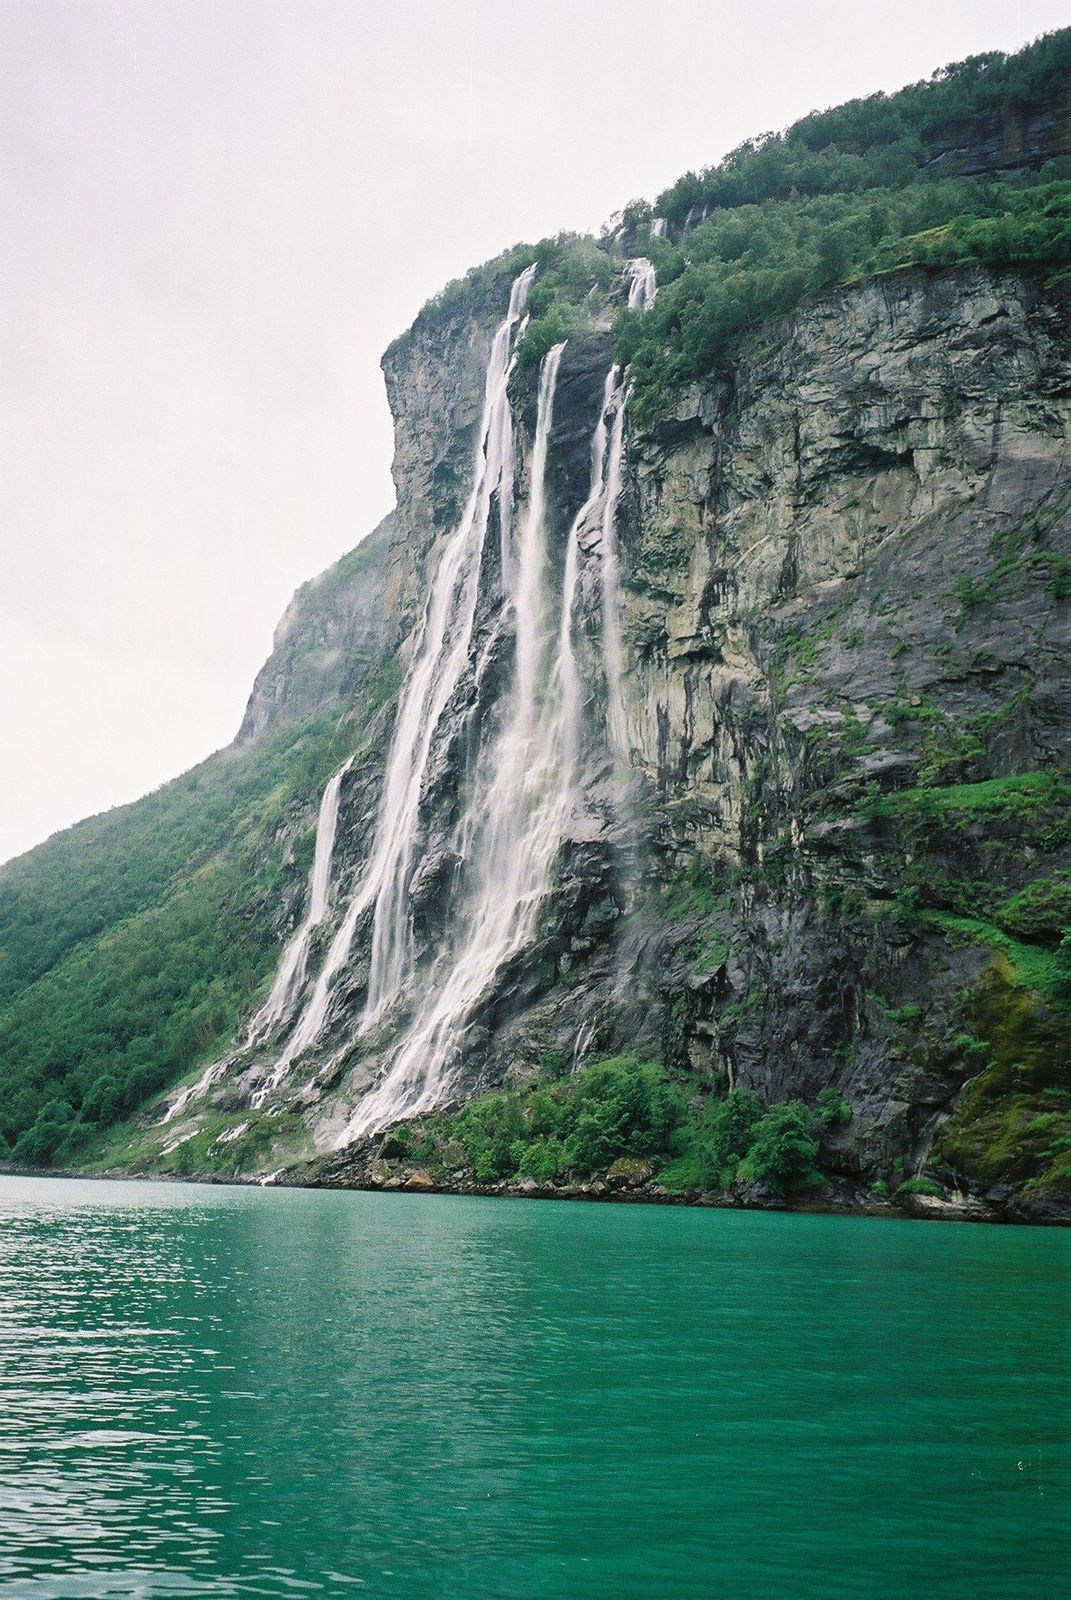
column 130, row 943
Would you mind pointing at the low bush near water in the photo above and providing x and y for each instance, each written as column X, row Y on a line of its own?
column 620, row 1111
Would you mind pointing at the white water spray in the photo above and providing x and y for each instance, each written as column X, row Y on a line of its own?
column 613, row 655
column 433, row 677
column 511, row 832
column 195, row 1092
column 292, row 968
column 644, row 285
column 641, row 296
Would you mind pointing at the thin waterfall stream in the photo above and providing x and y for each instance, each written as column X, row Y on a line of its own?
column 292, row 968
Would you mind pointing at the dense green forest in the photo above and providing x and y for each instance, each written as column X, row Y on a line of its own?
column 880, row 141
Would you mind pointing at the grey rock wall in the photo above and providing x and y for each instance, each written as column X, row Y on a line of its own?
column 804, row 557
column 335, row 626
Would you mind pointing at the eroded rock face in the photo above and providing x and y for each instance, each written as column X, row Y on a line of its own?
column 1006, row 139
column 336, row 625
column 844, row 575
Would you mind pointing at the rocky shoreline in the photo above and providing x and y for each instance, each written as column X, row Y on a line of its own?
column 837, row 1197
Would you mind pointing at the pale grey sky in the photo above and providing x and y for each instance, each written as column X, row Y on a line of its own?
column 216, row 213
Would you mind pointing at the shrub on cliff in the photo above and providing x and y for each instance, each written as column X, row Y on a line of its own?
column 615, row 1107
column 618, row 1109
column 725, row 1138
column 621, row 1107
column 783, row 1150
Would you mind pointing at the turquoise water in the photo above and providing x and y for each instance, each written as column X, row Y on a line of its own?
column 220, row 1392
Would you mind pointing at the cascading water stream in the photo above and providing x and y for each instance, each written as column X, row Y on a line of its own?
column 514, row 822
column 525, row 788
column 194, row 1092
column 644, row 285
column 641, row 297
column 613, row 656
column 566, row 676
column 291, row 973
column 433, row 677
column 451, row 615
column 524, row 785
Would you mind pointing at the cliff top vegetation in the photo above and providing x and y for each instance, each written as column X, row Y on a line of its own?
column 972, row 165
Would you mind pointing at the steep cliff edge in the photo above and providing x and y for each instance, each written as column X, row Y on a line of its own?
column 847, row 603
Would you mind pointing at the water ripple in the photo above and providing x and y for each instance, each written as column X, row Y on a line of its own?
column 239, row 1393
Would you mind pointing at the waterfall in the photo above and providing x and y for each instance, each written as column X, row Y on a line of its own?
column 566, row 676
column 523, row 787
column 522, row 793
column 612, row 654
column 196, row 1091
column 291, row 972
column 444, row 654
column 641, row 297
column 434, row 674
column 643, row 287
column 526, row 781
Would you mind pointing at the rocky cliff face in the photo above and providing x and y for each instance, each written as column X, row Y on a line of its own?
column 1010, row 138
column 333, row 630
column 847, row 581
column 844, row 615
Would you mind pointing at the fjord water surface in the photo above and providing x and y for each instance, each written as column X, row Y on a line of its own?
column 216, row 1392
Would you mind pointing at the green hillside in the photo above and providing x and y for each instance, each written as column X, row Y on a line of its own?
column 131, row 943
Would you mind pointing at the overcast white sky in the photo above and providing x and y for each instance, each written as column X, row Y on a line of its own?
column 216, row 213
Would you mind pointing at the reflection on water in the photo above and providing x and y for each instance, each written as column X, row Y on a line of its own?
column 246, row 1392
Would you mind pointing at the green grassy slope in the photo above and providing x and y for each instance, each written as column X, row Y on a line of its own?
column 131, row 943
